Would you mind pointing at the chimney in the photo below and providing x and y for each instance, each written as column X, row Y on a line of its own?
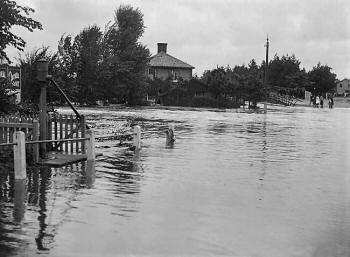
column 162, row 47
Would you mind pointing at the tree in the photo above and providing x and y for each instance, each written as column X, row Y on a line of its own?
column 87, row 46
column 67, row 59
column 12, row 14
column 282, row 71
column 124, row 58
column 322, row 78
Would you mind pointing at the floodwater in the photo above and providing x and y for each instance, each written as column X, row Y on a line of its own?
column 233, row 184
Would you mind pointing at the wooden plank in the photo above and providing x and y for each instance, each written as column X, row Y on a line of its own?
column 55, row 130
column 1, row 135
column 83, row 133
column 71, row 130
column 6, row 134
column 77, row 121
column 58, row 159
column 49, row 129
column 63, row 159
column 16, row 125
column 66, row 132
column 61, row 131
column 10, row 135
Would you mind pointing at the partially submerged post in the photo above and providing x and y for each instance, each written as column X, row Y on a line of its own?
column 19, row 155
column 42, row 75
column 90, row 173
column 265, row 77
column 36, row 132
column 90, row 145
column 137, row 137
column 170, row 134
column 19, row 200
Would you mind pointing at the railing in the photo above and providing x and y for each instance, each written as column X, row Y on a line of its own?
column 284, row 99
column 27, row 124
column 10, row 124
column 19, row 148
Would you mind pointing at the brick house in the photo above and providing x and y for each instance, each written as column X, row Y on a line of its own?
column 343, row 87
column 164, row 66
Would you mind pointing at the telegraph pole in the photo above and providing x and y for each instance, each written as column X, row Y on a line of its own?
column 265, row 77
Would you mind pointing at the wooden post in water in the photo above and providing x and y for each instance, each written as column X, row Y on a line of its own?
column 137, row 137
column 90, row 173
column 42, row 75
column 36, row 138
column 19, row 200
column 19, row 153
column 265, row 77
column 170, row 134
column 90, row 145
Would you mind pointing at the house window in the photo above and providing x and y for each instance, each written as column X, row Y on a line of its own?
column 2, row 74
column 152, row 72
column 174, row 74
column 340, row 85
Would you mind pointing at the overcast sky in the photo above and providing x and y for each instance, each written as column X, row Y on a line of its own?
column 207, row 33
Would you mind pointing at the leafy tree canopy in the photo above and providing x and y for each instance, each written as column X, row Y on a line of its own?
column 323, row 80
column 125, row 58
column 12, row 14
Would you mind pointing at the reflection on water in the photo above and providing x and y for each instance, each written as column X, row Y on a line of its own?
column 232, row 184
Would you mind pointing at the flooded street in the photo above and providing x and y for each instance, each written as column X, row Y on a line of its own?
column 233, row 184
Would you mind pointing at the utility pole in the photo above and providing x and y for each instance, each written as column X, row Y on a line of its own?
column 265, row 77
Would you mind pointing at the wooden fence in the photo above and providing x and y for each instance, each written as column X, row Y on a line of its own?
column 59, row 127
column 10, row 124
column 28, row 124
column 67, row 127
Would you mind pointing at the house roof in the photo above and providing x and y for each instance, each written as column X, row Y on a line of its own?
column 163, row 59
column 343, row 80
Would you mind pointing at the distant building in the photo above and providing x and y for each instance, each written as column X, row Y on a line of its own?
column 164, row 66
column 10, row 76
column 343, row 87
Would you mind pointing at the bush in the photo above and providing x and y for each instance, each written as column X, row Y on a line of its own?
column 206, row 101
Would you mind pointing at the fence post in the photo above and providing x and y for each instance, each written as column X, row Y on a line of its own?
column 90, row 145
column 19, row 152
column 43, row 119
column 90, row 173
column 170, row 134
column 36, row 138
column 83, row 132
column 19, row 200
column 137, row 137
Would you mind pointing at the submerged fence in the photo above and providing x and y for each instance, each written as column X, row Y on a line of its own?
column 27, row 124
column 10, row 124
column 67, row 127
column 59, row 127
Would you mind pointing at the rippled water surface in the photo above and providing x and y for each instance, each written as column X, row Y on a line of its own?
column 233, row 184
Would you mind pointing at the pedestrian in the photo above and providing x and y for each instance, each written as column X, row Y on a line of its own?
column 332, row 102
column 317, row 101
column 321, row 101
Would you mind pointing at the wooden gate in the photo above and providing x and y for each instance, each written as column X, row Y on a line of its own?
column 67, row 127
